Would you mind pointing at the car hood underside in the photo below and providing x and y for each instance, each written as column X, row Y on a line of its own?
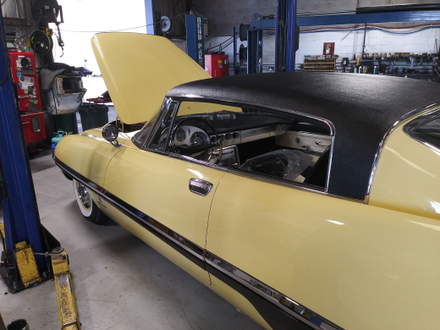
column 139, row 70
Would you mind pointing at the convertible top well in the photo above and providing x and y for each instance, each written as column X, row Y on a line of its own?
column 362, row 108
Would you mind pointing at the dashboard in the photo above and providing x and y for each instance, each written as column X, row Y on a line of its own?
column 199, row 137
column 187, row 135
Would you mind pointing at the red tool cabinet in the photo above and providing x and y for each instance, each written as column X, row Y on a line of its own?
column 217, row 65
column 24, row 75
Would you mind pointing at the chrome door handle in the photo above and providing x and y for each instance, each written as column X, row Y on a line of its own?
column 200, row 187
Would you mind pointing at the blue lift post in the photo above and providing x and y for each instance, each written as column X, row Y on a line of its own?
column 149, row 16
column 195, row 38
column 286, row 36
column 255, row 42
column 254, row 51
column 234, row 33
column 291, row 36
column 20, row 212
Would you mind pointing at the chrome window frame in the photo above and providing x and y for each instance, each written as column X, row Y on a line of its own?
column 410, row 127
column 141, row 143
column 177, row 100
column 167, row 107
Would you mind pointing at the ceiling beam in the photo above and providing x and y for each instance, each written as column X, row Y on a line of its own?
column 370, row 18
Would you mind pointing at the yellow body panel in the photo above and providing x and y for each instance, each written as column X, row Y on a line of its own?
column 159, row 187
column 407, row 176
column 357, row 265
column 93, row 150
column 186, row 213
column 157, row 244
column 138, row 71
column 96, row 151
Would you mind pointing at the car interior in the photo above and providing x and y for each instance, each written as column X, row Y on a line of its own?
column 266, row 142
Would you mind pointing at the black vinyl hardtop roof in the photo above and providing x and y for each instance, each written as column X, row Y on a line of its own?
column 362, row 108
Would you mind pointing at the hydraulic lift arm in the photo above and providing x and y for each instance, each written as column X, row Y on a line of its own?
column 26, row 261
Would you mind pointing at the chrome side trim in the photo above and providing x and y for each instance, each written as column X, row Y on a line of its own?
column 387, row 134
column 288, row 305
column 283, row 302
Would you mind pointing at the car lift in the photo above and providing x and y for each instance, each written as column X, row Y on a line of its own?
column 31, row 255
column 286, row 35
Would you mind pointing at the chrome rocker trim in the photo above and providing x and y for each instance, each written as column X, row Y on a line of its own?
column 204, row 258
column 283, row 302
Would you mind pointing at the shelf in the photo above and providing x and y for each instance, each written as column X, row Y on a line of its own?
column 320, row 65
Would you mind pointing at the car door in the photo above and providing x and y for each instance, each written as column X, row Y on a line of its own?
column 165, row 203
column 322, row 257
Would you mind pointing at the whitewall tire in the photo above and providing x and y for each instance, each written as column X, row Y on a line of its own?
column 86, row 205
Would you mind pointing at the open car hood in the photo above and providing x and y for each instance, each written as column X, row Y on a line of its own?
column 139, row 69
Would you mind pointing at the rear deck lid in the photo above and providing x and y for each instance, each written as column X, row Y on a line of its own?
column 139, row 69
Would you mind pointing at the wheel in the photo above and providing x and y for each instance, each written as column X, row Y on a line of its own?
column 86, row 205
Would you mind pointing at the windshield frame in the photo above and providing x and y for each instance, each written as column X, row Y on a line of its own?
column 153, row 125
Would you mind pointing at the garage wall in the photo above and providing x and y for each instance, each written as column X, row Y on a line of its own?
column 372, row 3
column 349, row 44
column 223, row 15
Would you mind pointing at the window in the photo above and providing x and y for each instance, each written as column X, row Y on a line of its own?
column 426, row 129
column 141, row 138
column 430, row 132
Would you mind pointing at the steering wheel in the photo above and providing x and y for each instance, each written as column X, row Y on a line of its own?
column 187, row 150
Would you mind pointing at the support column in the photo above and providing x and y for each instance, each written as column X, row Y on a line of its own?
column 149, row 16
column 195, row 38
column 234, row 32
column 21, row 217
column 254, row 51
column 286, row 36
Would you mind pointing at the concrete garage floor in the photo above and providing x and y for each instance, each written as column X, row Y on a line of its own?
column 119, row 281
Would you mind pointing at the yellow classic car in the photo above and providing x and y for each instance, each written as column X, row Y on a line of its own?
column 307, row 200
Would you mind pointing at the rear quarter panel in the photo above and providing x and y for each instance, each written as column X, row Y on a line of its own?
column 359, row 266
column 407, row 176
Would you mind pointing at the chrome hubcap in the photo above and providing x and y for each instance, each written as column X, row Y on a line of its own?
column 83, row 195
